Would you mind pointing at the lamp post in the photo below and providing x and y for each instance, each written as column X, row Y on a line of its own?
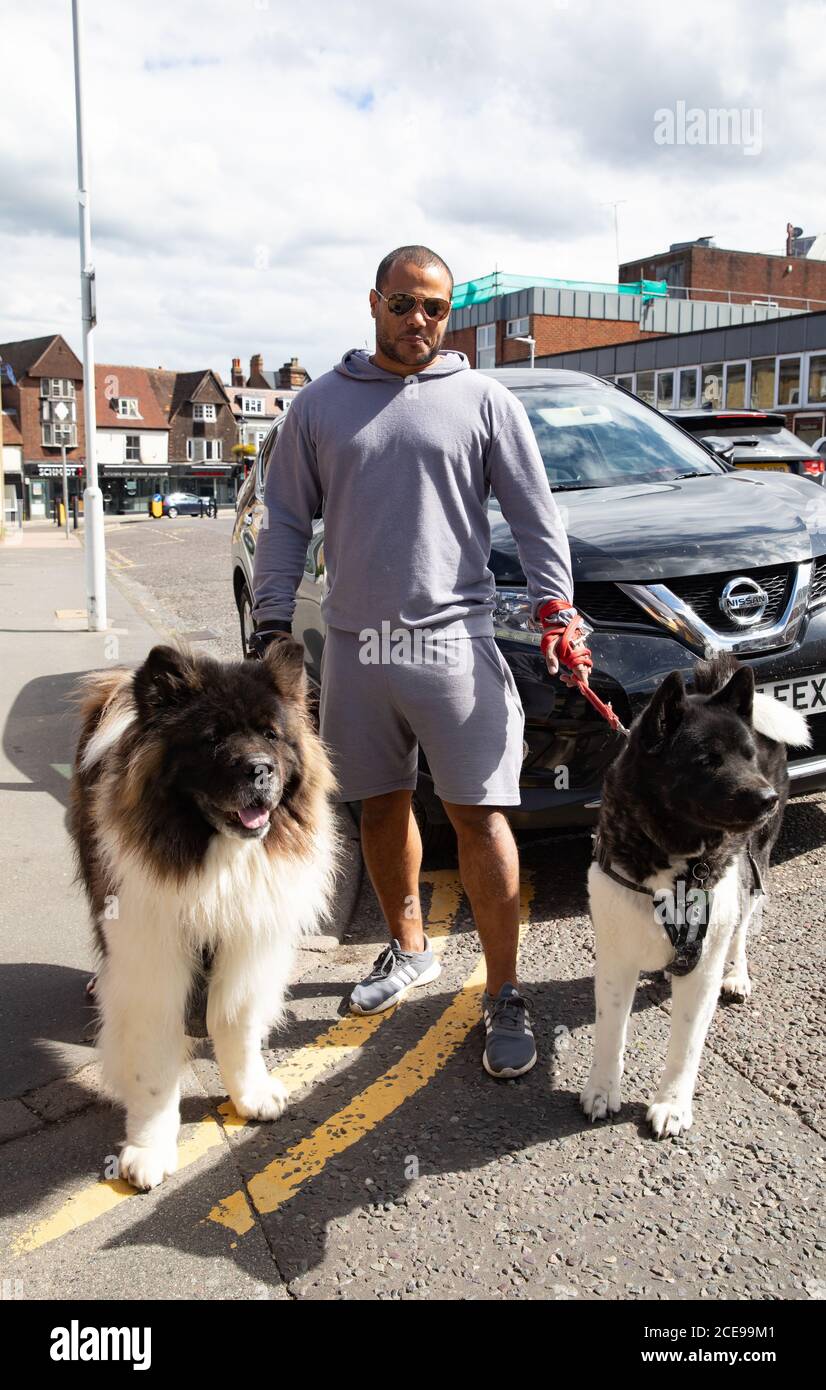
column 531, row 343
column 92, row 496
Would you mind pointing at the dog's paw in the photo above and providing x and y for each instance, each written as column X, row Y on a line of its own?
column 600, row 1099
column 262, row 1102
column 736, row 985
column 146, row 1167
column 669, row 1118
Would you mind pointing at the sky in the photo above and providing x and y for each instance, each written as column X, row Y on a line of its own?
column 251, row 161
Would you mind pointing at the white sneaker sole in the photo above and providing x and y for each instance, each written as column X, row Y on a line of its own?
column 432, row 973
column 508, row 1072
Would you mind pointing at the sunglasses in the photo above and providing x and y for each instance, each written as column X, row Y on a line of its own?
column 401, row 304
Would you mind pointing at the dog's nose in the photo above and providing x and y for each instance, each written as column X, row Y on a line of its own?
column 768, row 797
column 263, row 766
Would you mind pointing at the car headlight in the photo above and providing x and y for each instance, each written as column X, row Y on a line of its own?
column 512, row 617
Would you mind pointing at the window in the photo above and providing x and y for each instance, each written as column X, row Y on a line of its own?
column 788, row 381
column 517, row 328
column 645, row 387
column 688, row 388
column 486, row 345
column 203, row 412
column 712, row 387
column 128, row 408
column 252, row 405
column 817, row 379
column 735, row 386
column 626, row 381
column 57, row 388
column 665, row 390
column 133, row 448
column 762, row 383
column 203, row 450
column 54, row 435
column 600, row 438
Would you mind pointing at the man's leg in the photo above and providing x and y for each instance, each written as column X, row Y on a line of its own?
column 489, row 870
column 392, row 850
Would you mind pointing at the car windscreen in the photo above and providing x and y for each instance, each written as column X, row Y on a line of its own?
column 761, row 440
column 590, row 437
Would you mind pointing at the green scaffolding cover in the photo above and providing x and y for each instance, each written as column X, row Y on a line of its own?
column 500, row 282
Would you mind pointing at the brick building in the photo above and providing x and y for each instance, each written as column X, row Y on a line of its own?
column 701, row 270
column 492, row 317
column 132, row 438
column 202, row 431
column 47, row 374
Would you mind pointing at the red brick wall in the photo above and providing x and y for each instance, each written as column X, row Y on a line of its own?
column 28, row 406
column 552, row 335
column 713, row 273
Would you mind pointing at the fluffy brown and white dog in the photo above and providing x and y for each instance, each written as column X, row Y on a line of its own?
column 201, row 816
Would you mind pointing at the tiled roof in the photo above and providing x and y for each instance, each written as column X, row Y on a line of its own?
column 112, row 382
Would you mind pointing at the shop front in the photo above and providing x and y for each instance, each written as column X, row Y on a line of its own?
column 44, row 487
column 210, row 480
column 130, row 488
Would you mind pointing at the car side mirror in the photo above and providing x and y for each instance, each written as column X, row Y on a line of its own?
column 723, row 452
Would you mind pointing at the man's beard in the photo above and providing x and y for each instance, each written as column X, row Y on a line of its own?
column 386, row 346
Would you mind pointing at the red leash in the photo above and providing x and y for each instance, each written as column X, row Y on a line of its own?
column 571, row 652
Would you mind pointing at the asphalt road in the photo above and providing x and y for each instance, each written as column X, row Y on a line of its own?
column 401, row 1170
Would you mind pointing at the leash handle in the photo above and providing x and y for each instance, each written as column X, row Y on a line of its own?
column 571, row 652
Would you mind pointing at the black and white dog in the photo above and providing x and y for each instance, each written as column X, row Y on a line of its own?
column 690, row 811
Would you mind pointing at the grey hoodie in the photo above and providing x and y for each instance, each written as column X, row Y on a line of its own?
column 404, row 466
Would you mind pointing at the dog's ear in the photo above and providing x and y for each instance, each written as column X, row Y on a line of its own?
column 738, row 693
column 284, row 660
column 663, row 714
column 166, row 677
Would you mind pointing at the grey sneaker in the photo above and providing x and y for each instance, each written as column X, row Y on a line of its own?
column 394, row 972
column 509, row 1046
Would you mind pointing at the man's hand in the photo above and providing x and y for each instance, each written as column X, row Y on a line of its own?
column 580, row 671
column 561, row 621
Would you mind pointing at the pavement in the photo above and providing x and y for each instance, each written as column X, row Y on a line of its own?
column 400, row 1170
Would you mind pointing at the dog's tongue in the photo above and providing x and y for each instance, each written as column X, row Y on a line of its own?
column 253, row 817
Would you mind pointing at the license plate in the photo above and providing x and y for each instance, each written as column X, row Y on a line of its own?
column 805, row 693
column 770, row 467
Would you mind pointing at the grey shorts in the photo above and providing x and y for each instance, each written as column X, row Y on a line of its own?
column 455, row 696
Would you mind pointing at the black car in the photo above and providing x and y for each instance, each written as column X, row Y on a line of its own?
column 752, row 439
column 184, row 504
column 674, row 555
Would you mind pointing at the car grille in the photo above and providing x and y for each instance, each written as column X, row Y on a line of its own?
column 817, row 592
column 702, row 593
column 605, row 603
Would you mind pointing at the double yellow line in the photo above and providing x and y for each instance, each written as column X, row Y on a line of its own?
column 283, row 1177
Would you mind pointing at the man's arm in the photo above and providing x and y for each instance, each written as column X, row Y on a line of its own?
column 292, row 495
column 518, row 478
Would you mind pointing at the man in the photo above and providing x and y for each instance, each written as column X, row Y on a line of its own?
column 403, row 447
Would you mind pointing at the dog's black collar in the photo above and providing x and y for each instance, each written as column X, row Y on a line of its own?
column 685, row 928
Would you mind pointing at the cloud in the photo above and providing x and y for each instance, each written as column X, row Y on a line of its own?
column 251, row 162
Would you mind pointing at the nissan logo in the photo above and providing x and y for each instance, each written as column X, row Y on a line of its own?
column 744, row 601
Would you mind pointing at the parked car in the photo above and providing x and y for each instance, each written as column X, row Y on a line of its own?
column 184, row 504
column 674, row 556
column 752, row 439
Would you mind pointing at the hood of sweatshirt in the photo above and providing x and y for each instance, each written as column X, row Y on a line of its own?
column 356, row 364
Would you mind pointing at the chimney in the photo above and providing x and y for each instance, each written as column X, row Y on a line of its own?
column 237, row 376
column 292, row 375
column 256, row 376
